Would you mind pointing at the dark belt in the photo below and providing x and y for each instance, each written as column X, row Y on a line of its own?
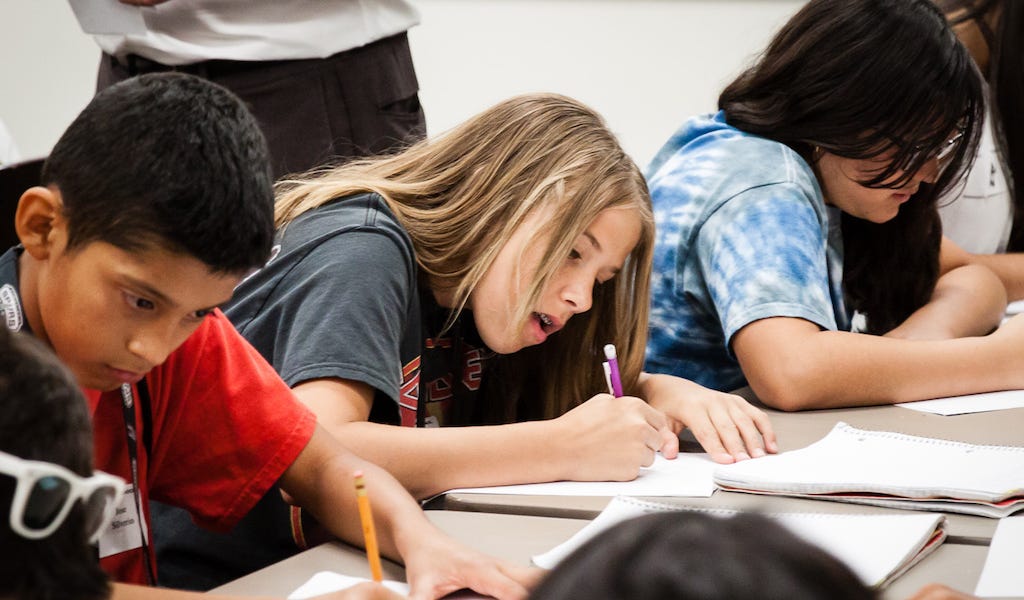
column 210, row 69
column 134, row 64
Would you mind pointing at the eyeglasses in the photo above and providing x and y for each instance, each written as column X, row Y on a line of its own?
column 45, row 493
column 944, row 154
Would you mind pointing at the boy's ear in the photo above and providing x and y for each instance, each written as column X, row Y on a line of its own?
column 39, row 213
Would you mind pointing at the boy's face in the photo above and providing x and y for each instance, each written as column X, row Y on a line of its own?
column 112, row 315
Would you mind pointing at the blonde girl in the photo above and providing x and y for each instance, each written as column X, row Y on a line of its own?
column 473, row 280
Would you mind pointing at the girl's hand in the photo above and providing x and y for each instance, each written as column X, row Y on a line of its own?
column 437, row 565
column 610, row 439
column 728, row 427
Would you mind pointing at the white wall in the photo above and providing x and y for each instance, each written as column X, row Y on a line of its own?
column 644, row 64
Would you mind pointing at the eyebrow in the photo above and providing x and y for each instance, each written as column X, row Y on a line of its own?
column 148, row 290
column 155, row 294
column 593, row 240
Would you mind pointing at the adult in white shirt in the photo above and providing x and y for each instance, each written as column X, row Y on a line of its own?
column 326, row 79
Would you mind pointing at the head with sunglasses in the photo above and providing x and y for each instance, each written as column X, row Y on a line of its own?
column 885, row 104
column 51, row 503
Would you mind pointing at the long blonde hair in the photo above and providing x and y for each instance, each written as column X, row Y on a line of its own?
column 461, row 195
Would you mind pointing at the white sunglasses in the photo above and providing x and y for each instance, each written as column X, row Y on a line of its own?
column 46, row 492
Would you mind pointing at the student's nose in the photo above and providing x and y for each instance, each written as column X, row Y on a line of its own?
column 151, row 345
column 578, row 293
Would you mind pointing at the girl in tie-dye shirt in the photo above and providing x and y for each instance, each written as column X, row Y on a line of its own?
column 811, row 196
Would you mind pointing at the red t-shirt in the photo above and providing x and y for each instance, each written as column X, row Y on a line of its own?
column 224, row 429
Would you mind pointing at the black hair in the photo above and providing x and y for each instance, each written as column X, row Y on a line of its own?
column 691, row 556
column 862, row 79
column 169, row 160
column 45, row 418
column 1005, row 76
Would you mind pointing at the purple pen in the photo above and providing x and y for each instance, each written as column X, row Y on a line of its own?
column 613, row 366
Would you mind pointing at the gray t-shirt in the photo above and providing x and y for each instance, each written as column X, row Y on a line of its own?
column 338, row 299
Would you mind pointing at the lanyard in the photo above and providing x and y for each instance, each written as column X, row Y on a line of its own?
column 133, row 457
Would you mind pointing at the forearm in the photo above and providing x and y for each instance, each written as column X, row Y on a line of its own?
column 321, row 480
column 830, row 369
column 1009, row 268
column 124, row 591
column 967, row 301
column 454, row 457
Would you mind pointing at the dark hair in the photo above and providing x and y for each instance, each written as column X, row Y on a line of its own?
column 1005, row 77
column 692, row 555
column 860, row 78
column 171, row 160
column 44, row 418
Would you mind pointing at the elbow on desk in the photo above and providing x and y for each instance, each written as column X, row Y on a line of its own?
column 788, row 389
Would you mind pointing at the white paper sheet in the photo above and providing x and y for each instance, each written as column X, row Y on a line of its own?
column 971, row 403
column 326, row 582
column 875, row 547
column 108, row 16
column 1002, row 575
column 687, row 475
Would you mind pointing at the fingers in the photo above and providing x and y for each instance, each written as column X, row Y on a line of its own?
column 670, row 443
column 488, row 577
column 364, row 591
column 764, row 426
column 708, row 438
column 503, row 583
column 658, row 436
column 529, row 577
column 731, row 430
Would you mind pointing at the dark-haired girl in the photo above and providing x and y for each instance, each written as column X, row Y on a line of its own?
column 811, row 196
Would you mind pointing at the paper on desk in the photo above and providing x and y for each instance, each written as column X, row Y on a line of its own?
column 1002, row 575
column 878, row 548
column 326, row 582
column 971, row 403
column 687, row 475
column 1015, row 308
column 108, row 16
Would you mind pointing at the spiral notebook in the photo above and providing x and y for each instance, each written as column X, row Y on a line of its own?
column 878, row 548
column 889, row 469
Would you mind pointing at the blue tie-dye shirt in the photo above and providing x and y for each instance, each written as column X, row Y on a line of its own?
column 743, row 234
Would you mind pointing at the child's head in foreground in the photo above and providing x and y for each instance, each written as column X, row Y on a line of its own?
column 52, row 508
column 156, row 200
column 695, row 556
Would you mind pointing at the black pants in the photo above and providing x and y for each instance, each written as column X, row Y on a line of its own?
column 318, row 111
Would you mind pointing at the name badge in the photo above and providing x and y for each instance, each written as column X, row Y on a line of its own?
column 126, row 530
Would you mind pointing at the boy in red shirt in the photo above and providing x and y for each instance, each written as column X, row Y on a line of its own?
column 155, row 203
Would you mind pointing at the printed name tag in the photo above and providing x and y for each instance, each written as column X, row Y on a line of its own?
column 126, row 531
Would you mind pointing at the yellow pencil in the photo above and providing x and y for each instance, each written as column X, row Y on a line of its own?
column 369, row 533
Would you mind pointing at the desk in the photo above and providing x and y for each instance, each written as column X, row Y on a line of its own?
column 514, row 538
column 517, row 538
column 795, row 430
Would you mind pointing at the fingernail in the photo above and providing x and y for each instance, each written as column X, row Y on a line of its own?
column 757, row 453
column 742, row 456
